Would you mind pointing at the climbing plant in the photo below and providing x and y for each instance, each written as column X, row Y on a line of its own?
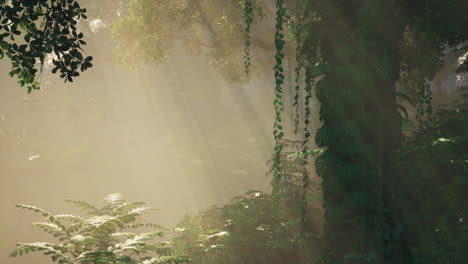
column 354, row 54
column 249, row 17
column 349, row 55
column 279, row 81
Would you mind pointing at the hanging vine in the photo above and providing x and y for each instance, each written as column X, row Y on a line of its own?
column 297, row 93
column 305, row 149
column 360, row 136
column 278, row 101
column 248, row 18
column 298, row 29
column 424, row 106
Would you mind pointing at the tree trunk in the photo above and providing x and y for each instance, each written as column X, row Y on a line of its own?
column 362, row 127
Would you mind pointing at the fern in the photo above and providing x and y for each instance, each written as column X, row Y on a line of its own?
column 70, row 218
column 91, row 209
column 56, row 252
column 34, row 209
column 99, row 239
column 113, row 199
column 126, row 207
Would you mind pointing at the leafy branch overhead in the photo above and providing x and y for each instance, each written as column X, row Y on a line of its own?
column 103, row 237
column 48, row 30
column 214, row 28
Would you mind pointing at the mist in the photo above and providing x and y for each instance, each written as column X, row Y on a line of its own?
column 176, row 135
column 263, row 132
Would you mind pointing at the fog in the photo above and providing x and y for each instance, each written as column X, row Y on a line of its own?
column 175, row 135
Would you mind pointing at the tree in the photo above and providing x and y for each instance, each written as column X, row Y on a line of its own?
column 215, row 28
column 354, row 53
column 49, row 31
column 357, row 50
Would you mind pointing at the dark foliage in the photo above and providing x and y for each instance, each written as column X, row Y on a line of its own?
column 254, row 228
column 47, row 28
column 432, row 184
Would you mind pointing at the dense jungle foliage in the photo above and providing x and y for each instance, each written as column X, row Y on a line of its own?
column 393, row 172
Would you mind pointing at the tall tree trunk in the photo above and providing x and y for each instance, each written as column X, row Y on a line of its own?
column 361, row 130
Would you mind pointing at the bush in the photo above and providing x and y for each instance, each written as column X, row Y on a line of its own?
column 254, row 228
column 432, row 187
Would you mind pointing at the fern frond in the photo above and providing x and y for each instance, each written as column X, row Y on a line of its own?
column 148, row 236
column 83, row 240
column 96, row 257
column 124, row 234
column 131, row 215
column 152, row 225
column 405, row 98
column 403, row 110
column 137, row 244
column 113, row 198
column 56, row 252
column 407, row 125
column 141, row 210
column 44, row 213
column 34, row 209
column 91, row 209
column 101, row 221
column 50, row 228
column 75, row 227
column 134, row 247
column 165, row 260
column 70, row 218
column 126, row 208
column 106, row 224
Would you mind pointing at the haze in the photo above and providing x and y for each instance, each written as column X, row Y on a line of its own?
column 176, row 136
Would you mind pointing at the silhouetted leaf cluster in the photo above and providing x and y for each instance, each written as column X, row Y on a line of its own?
column 35, row 31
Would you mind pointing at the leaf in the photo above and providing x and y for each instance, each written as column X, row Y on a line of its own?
column 114, row 198
column 34, row 209
column 50, row 228
column 50, row 249
column 406, row 98
column 70, row 217
column 91, row 209
column 402, row 109
column 84, row 240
